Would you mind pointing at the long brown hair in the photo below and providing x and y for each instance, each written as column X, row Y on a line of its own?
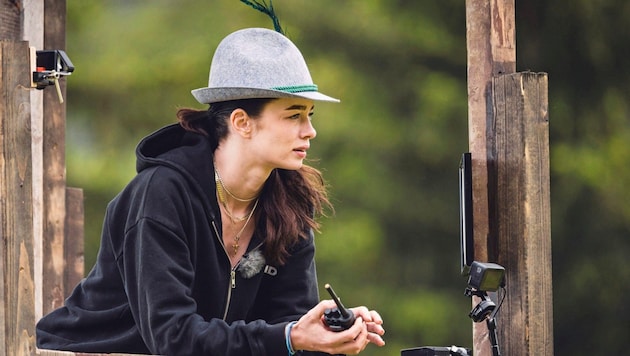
column 289, row 200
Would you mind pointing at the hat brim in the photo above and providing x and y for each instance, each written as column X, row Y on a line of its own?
column 215, row 95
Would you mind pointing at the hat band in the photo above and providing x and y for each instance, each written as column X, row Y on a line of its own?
column 296, row 88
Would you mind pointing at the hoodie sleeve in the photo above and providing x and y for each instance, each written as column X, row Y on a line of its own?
column 156, row 266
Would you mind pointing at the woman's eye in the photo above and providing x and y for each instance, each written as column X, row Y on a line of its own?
column 301, row 115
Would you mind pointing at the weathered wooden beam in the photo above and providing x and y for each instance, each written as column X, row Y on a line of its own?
column 54, row 168
column 523, row 212
column 491, row 50
column 16, row 228
column 33, row 32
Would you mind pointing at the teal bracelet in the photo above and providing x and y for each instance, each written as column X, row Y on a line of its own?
column 287, row 337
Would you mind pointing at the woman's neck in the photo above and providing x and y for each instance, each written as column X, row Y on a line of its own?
column 241, row 182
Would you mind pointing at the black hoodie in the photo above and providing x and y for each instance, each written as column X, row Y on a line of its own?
column 163, row 283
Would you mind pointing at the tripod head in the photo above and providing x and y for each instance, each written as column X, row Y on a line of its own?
column 482, row 310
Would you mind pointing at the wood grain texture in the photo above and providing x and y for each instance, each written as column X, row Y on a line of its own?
column 54, row 168
column 491, row 50
column 523, row 212
column 16, row 216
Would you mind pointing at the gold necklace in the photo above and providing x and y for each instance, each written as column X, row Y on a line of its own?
column 221, row 188
column 220, row 193
column 220, row 181
column 237, row 237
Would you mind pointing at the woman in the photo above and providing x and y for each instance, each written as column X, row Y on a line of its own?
column 209, row 249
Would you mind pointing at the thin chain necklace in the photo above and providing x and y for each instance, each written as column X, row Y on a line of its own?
column 220, row 192
column 237, row 237
column 221, row 188
column 220, row 181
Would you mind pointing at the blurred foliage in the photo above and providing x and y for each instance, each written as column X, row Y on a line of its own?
column 390, row 150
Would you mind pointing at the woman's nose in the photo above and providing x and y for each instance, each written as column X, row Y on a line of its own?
column 309, row 130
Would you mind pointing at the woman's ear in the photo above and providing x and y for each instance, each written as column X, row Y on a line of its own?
column 241, row 122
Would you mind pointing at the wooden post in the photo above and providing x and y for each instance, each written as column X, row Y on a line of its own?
column 508, row 141
column 17, row 312
column 16, row 227
column 522, row 212
column 33, row 32
column 54, row 168
column 491, row 49
column 490, row 42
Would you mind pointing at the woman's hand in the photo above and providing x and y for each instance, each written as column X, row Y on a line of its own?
column 373, row 322
column 310, row 333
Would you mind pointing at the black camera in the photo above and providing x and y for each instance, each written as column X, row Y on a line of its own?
column 486, row 277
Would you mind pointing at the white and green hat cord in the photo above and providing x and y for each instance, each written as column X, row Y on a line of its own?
column 258, row 63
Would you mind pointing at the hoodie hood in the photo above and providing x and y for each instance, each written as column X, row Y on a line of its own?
column 187, row 152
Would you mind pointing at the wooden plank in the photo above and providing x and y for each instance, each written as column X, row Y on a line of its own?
column 16, row 228
column 522, row 212
column 491, row 50
column 74, row 240
column 54, row 168
column 33, row 32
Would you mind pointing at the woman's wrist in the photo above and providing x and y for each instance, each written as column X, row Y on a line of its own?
column 287, row 337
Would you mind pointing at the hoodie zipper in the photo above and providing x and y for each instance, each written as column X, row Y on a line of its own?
column 229, row 292
column 232, row 271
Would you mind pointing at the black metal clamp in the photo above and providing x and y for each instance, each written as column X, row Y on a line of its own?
column 50, row 65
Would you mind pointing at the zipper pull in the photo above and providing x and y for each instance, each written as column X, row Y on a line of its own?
column 233, row 278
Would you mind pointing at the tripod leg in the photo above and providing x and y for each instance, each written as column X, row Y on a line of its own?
column 492, row 330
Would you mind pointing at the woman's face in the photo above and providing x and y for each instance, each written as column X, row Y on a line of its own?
column 281, row 134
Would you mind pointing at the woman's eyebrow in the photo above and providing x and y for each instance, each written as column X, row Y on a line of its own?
column 296, row 107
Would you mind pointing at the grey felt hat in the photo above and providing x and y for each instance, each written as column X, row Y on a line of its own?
column 258, row 63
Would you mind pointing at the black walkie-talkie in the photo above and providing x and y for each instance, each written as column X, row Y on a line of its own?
column 338, row 318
